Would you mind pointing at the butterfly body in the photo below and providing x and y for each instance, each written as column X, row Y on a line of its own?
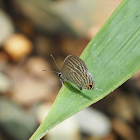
column 75, row 71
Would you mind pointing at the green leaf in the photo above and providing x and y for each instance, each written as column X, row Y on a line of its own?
column 112, row 57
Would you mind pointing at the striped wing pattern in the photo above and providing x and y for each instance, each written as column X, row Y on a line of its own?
column 75, row 71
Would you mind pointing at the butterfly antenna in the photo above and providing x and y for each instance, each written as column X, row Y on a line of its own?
column 55, row 62
column 51, row 71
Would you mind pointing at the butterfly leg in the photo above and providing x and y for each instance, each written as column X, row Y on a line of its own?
column 62, row 81
column 80, row 88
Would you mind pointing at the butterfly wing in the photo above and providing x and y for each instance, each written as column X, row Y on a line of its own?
column 74, row 70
